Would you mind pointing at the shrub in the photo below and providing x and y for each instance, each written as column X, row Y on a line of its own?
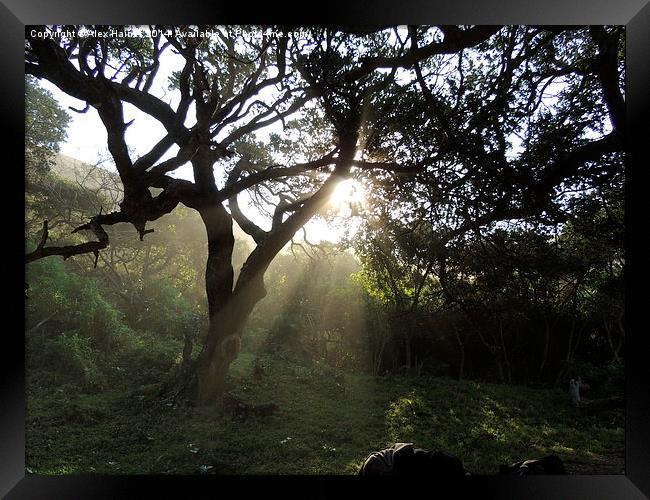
column 75, row 301
column 403, row 417
column 146, row 357
column 72, row 358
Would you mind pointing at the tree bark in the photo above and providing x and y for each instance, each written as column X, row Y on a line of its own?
column 610, row 341
column 569, row 354
column 621, row 329
column 407, row 350
column 223, row 342
column 378, row 355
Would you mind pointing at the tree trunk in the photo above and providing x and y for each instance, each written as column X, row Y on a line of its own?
column 210, row 369
column 547, row 334
column 224, row 342
column 499, row 365
column 407, row 348
column 378, row 356
column 461, row 346
column 505, row 354
column 218, row 269
column 614, row 348
column 621, row 339
column 229, row 309
column 569, row 354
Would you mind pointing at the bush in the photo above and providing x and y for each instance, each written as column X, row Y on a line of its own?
column 72, row 358
column 285, row 335
column 74, row 302
column 403, row 417
column 614, row 382
column 147, row 358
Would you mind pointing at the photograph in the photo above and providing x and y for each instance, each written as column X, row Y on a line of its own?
column 324, row 250
column 272, row 255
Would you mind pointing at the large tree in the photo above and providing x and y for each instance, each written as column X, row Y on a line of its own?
column 46, row 125
column 437, row 107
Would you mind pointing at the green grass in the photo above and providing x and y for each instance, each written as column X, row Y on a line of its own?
column 327, row 423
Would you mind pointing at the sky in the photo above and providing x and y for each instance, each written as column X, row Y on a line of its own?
column 86, row 141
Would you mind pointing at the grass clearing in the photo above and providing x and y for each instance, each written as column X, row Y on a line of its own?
column 327, row 422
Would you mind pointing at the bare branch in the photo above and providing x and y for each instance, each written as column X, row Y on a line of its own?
column 246, row 225
column 94, row 225
column 454, row 41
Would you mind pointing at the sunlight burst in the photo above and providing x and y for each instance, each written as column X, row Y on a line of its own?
column 346, row 203
column 348, row 197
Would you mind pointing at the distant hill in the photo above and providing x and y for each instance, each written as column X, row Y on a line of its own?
column 98, row 178
column 91, row 177
column 77, row 170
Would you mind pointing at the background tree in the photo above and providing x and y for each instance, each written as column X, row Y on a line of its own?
column 46, row 125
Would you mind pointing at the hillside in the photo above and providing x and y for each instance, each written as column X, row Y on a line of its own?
column 91, row 177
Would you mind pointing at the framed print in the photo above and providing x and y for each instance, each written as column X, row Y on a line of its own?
column 279, row 250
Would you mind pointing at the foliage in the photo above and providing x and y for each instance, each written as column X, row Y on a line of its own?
column 316, row 312
column 145, row 358
column 71, row 357
column 166, row 312
column 516, row 296
column 73, row 302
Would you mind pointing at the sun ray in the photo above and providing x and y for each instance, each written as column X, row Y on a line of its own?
column 348, row 197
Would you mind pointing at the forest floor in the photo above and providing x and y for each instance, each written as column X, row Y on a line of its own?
column 327, row 422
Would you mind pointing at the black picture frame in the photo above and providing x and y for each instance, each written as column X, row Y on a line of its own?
column 16, row 14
